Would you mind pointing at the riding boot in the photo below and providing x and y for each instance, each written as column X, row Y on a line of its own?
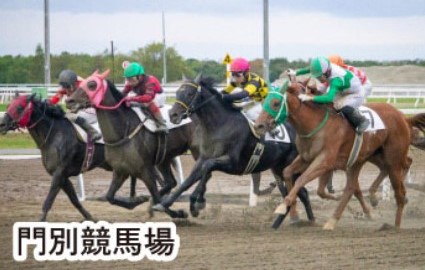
column 353, row 115
column 160, row 122
column 94, row 134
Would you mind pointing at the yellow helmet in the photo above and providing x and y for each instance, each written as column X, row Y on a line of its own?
column 336, row 59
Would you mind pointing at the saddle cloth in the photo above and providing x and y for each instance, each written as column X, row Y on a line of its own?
column 151, row 125
column 89, row 115
column 375, row 120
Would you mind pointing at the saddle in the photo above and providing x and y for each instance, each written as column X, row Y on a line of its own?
column 150, row 124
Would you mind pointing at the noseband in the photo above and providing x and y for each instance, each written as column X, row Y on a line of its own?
column 193, row 107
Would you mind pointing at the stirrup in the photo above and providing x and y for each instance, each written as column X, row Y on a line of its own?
column 363, row 126
column 95, row 137
column 162, row 129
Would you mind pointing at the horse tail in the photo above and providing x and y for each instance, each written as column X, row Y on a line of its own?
column 417, row 125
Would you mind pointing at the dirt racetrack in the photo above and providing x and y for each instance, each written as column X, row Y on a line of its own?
column 228, row 234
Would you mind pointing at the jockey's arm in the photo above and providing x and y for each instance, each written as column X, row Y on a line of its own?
column 147, row 97
column 228, row 89
column 335, row 85
column 58, row 96
column 302, row 71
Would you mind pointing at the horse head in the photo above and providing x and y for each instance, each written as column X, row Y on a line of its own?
column 27, row 112
column 191, row 96
column 275, row 107
column 18, row 113
column 91, row 91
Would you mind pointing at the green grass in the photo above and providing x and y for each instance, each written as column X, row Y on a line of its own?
column 16, row 141
column 3, row 107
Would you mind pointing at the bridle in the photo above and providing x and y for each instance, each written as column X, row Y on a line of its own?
column 193, row 106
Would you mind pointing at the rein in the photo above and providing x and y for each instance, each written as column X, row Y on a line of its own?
column 318, row 128
column 111, row 108
column 191, row 108
column 39, row 120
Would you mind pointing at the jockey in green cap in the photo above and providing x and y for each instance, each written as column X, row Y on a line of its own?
column 345, row 90
column 146, row 87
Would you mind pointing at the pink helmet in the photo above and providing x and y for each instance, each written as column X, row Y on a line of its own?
column 239, row 65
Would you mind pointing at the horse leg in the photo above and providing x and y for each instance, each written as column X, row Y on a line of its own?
column 148, row 177
column 133, row 187
column 169, row 180
column 256, row 178
column 128, row 203
column 194, row 176
column 374, row 187
column 396, row 175
column 305, row 199
column 197, row 199
column 297, row 166
column 359, row 195
column 293, row 213
column 200, row 201
column 72, row 195
column 318, row 167
column 221, row 163
column 323, row 181
column 56, row 184
column 350, row 187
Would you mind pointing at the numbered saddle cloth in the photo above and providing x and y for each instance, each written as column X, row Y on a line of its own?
column 375, row 120
column 251, row 110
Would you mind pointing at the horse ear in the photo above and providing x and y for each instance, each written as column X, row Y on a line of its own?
column 198, row 78
column 105, row 74
column 31, row 97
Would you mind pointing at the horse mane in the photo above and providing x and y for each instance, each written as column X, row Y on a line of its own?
column 52, row 110
column 114, row 91
column 210, row 84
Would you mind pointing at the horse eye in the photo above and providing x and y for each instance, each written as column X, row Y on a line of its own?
column 92, row 85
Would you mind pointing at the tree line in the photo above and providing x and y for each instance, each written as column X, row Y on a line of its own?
column 30, row 69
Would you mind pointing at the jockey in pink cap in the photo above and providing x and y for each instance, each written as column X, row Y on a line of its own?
column 253, row 86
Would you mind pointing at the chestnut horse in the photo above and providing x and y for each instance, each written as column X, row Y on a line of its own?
column 324, row 141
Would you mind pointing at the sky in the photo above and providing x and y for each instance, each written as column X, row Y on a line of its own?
column 208, row 29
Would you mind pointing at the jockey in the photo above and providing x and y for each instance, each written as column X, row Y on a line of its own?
column 253, row 86
column 345, row 90
column 146, row 87
column 69, row 82
column 366, row 83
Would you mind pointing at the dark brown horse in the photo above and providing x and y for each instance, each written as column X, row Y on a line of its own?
column 62, row 151
column 324, row 141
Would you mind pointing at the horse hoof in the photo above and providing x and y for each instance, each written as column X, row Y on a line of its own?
column 158, row 207
column 200, row 205
column 330, row 225
column 182, row 214
column 194, row 213
column 373, row 200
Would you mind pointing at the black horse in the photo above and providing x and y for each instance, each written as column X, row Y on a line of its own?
column 226, row 144
column 61, row 150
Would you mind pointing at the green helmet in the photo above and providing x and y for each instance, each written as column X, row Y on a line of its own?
column 133, row 69
column 319, row 66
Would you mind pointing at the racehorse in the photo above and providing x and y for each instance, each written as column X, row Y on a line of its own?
column 325, row 139
column 227, row 143
column 132, row 149
column 62, row 151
